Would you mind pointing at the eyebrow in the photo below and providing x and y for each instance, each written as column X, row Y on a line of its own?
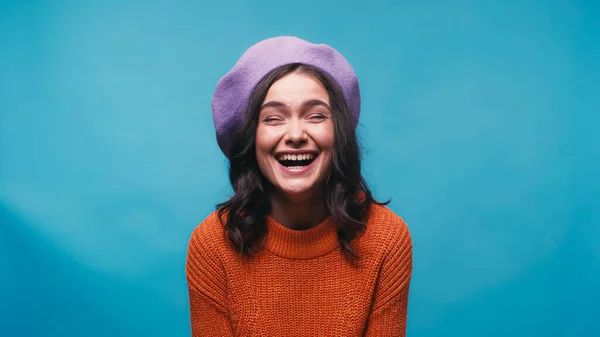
column 305, row 105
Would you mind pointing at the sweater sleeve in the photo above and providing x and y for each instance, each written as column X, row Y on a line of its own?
column 207, row 288
column 389, row 313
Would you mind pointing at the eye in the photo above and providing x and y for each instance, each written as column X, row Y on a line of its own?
column 272, row 119
column 317, row 117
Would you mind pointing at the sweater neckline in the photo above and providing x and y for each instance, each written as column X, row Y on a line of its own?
column 301, row 244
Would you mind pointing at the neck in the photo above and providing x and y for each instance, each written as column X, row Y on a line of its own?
column 293, row 214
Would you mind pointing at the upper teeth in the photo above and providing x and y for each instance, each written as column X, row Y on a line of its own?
column 305, row 156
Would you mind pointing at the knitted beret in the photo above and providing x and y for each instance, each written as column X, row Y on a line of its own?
column 233, row 90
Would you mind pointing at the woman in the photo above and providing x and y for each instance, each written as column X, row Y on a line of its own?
column 301, row 248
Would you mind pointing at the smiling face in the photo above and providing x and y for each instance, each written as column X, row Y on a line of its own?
column 295, row 136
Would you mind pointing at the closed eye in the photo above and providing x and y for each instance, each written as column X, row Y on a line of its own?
column 317, row 117
column 272, row 119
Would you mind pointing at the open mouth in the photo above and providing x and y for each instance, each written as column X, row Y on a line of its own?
column 296, row 160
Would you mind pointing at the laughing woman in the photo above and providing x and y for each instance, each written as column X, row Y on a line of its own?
column 302, row 247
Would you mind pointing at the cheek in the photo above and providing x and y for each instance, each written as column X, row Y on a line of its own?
column 266, row 141
column 261, row 140
column 324, row 137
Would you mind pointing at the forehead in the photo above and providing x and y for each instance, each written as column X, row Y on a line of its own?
column 295, row 88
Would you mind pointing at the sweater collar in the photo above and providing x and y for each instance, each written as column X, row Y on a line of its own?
column 301, row 244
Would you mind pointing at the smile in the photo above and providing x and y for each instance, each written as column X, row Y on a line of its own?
column 293, row 160
column 297, row 162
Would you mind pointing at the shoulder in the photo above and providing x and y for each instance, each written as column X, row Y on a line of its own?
column 386, row 232
column 209, row 233
column 391, row 252
column 206, row 244
column 204, row 266
column 385, row 223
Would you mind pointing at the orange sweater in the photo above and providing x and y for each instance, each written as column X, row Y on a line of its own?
column 300, row 283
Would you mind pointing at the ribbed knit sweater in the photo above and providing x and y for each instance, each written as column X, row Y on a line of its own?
column 299, row 283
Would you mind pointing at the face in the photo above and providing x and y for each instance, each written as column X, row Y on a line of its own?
column 294, row 137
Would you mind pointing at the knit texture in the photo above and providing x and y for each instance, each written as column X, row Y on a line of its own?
column 300, row 284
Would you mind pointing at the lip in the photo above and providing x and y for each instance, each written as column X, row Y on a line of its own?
column 296, row 152
column 297, row 171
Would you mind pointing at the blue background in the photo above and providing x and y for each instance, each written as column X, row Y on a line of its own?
column 478, row 121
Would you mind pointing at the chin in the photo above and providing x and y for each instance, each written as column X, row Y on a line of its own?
column 296, row 178
column 297, row 193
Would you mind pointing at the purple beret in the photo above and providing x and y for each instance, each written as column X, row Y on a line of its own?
column 233, row 90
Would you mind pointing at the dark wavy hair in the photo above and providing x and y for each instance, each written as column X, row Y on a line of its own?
column 347, row 196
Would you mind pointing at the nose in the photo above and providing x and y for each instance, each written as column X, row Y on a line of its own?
column 295, row 134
